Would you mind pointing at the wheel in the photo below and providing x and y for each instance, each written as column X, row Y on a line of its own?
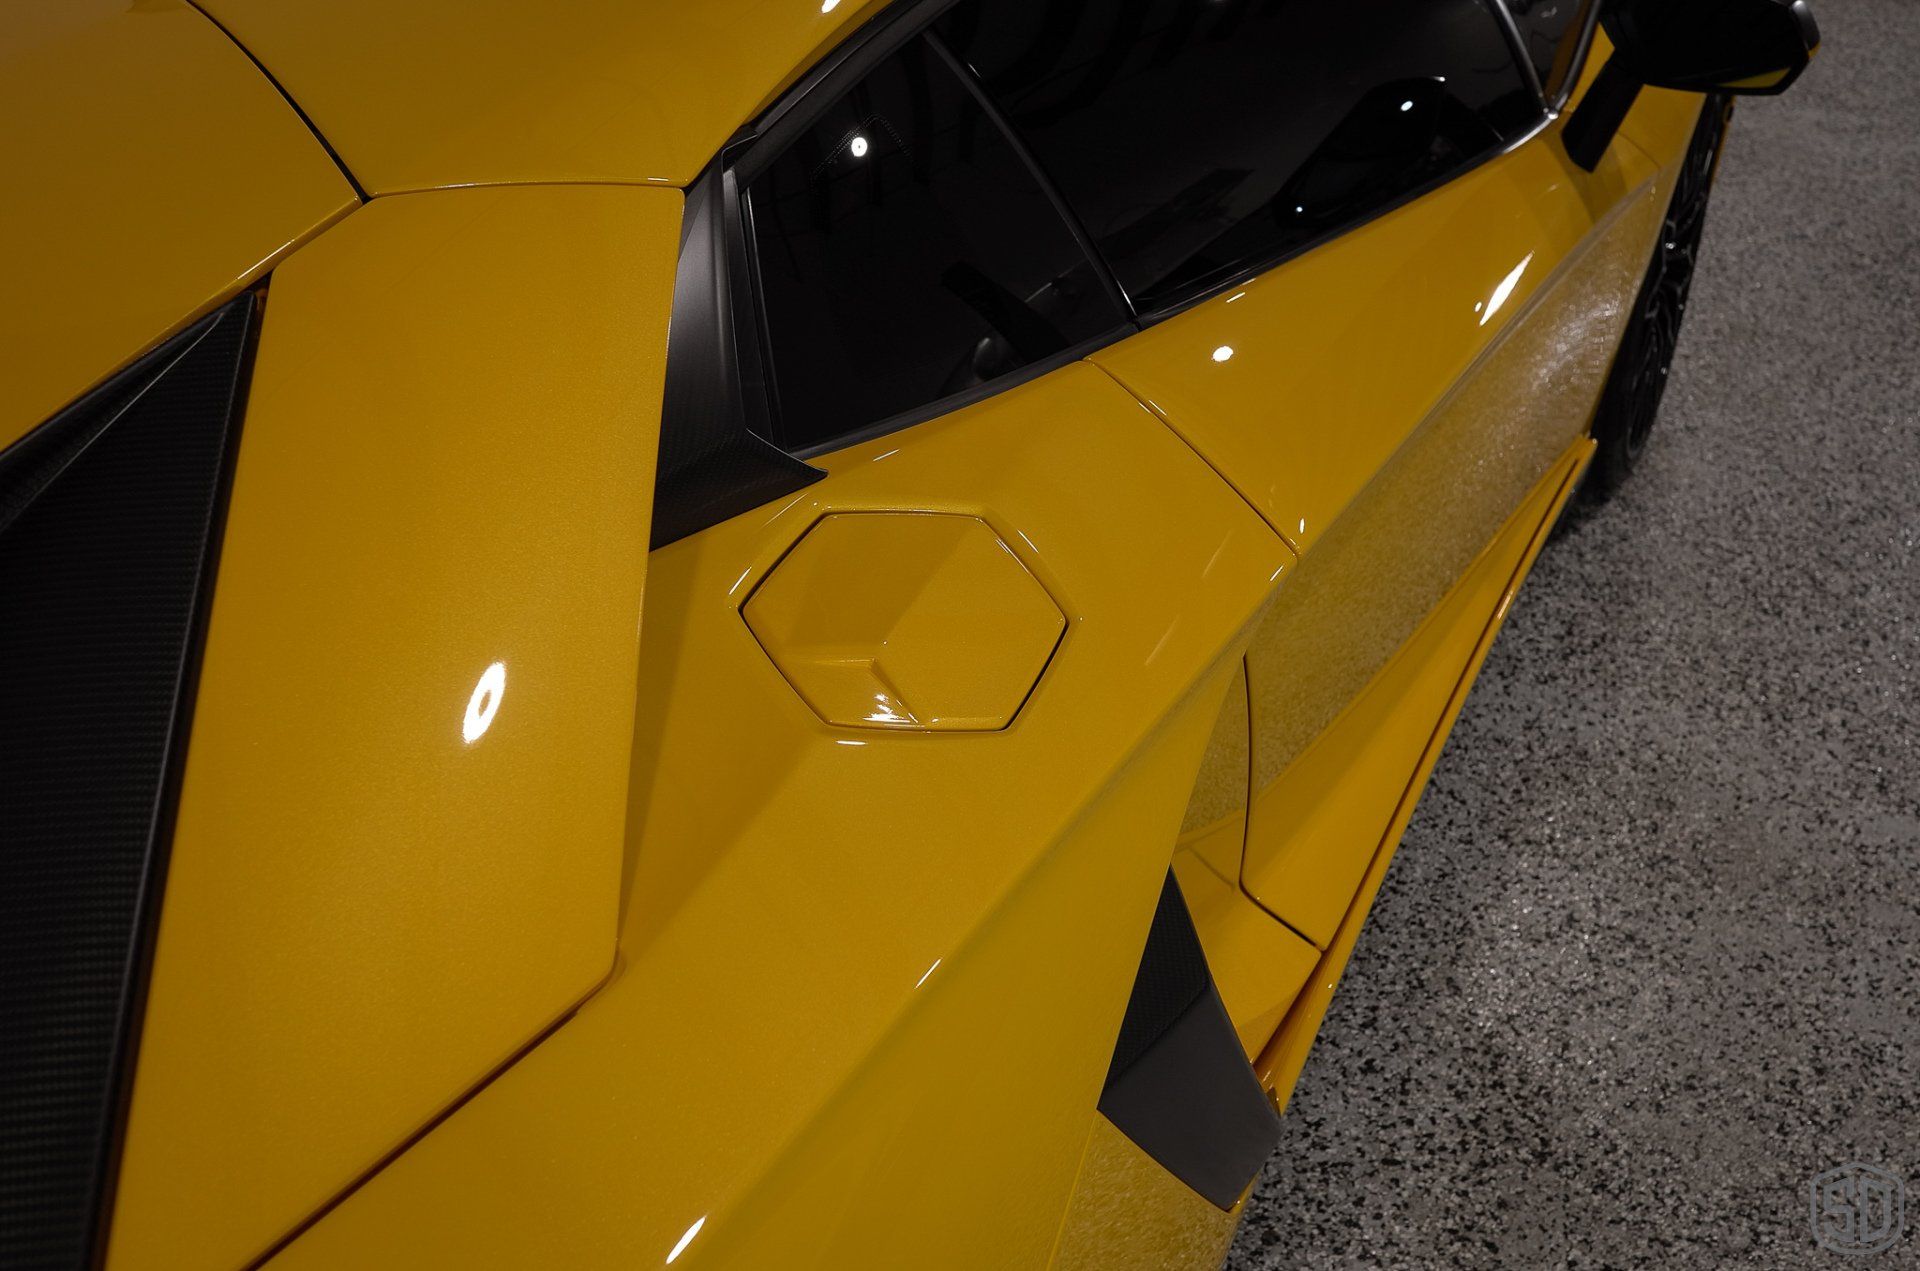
column 1631, row 399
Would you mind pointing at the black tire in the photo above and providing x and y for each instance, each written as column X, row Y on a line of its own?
column 1630, row 402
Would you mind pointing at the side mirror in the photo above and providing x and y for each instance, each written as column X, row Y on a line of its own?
column 1743, row 47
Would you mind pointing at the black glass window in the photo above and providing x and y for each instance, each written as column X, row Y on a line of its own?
column 1199, row 138
column 1551, row 29
column 906, row 253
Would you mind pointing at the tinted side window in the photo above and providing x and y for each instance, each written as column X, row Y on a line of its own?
column 1551, row 31
column 1198, row 138
column 906, row 253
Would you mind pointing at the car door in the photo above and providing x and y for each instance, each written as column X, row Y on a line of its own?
column 1378, row 299
column 1466, row 377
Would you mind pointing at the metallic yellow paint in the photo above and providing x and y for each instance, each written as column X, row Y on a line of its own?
column 476, row 92
column 151, row 172
column 398, row 850
column 1335, row 735
column 844, row 957
column 1215, row 828
column 1128, row 1214
column 956, row 1157
column 1258, row 965
column 1328, row 768
column 1443, row 660
column 1767, row 80
column 906, row 621
column 1388, row 430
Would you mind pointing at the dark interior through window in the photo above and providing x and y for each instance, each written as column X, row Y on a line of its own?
column 906, row 253
column 1200, row 138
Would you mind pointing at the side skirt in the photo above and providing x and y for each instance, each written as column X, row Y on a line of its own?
column 1279, row 1064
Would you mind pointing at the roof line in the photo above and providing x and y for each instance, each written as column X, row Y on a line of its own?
column 359, row 190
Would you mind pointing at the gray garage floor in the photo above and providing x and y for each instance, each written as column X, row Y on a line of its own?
column 1649, row 956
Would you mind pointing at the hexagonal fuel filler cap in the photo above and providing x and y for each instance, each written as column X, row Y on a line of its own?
column 912, row 620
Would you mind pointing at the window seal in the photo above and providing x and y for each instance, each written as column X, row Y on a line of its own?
column 1517, row 48
column 1115, row 289
column 1241, row 277
column 1577, row 67
column 754, row 365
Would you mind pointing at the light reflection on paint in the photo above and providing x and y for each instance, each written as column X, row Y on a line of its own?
column 1504, row 290
column 1223, row 353
column 485, row 702
column 687, row 1239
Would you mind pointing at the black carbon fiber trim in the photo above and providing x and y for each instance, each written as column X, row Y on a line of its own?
column 1179, row 1085
column 712, row 463
column 107, row 516
column 1173, row 976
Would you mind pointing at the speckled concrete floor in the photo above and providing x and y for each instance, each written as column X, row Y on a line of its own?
column 1649, row 956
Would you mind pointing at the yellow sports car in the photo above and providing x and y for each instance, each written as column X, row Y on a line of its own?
column 765, row 633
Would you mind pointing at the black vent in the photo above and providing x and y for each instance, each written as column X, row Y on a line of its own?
column 106, row 525
column 1179, row 1085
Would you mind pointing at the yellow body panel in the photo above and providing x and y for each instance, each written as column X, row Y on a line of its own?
column 1258, row 965
column 906, row 621
column 814, row 919
column 1333, row 742
column 1128, row 1214
column 955, row 1157
column 477, row 92
column 150, row 173
column 1449, row 651
column 393, row 864
column 1215, row 828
